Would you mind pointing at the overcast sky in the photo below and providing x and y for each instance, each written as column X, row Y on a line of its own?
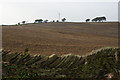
column 14, row 11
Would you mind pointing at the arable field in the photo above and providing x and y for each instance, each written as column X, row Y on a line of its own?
column 60, row 38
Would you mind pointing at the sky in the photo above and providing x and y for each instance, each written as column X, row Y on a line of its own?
column 14, row 11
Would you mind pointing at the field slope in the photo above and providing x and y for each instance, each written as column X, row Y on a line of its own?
column 60, row 38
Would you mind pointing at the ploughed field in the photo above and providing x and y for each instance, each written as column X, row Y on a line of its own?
column 60, row 38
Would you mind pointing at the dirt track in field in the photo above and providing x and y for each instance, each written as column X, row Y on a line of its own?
column 60, row 38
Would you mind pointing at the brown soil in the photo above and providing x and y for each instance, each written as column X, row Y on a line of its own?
column 60, row 38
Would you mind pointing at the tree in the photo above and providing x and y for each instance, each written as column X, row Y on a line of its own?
column 64, row 19
column 53, row 21
column 45, row 21
column 99, row 19
column 103, row 18
column 87, row 20
column 23, row 22
column 57, row 21
column 19, row 23
column 38, row 21
column 94, row 20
